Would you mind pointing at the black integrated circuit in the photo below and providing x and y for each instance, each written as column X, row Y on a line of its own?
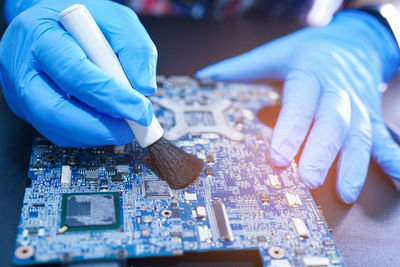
column 175, row 212
column 117, row 178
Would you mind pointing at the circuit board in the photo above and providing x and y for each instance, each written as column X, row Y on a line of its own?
column 105, row 203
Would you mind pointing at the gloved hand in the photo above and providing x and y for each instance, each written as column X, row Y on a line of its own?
column 48, row 80
column 334, row 76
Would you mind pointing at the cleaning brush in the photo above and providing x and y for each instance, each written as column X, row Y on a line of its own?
column 177, row 167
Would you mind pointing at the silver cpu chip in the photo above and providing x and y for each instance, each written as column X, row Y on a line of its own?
column 91, row 210
column 156, row 189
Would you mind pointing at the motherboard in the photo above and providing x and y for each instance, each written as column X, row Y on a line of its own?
column 105, row 204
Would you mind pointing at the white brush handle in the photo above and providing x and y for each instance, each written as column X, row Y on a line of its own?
column 77, row 20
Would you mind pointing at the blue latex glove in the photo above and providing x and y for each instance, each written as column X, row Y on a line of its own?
column 334, row 77
column 48, row 80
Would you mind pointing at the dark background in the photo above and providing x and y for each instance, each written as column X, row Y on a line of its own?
column 367, row 233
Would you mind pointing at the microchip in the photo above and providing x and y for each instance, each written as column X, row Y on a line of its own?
column 176, row 234
column 38, row 205
column 300, row 228
column 44, row 143
column 190, row 196
column 328, row 243
column 264, row 197
column 90, row 211
column 204, row 233
column 201, row 212
column 316, row 261
column 73, row 161
column 147, row 219
column 176, row 237
column 103, row 184
column 136, row 168
column 208, row 171
column 207, row 82
column 210, row 159
column 92, row 175
column 122, row 169
column 119, row 149
column 273, row 181
column 33, row 231
column 195, row 135
column 117, row 178
column 300, row 252
column 50, row 157
column 156, row 189
column 111, row 171
column 259, row 137
column 333, row 257
column 174, row 208
column 261, row 239
column 293, row 200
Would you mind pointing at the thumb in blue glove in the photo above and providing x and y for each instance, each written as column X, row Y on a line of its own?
column 48, row 80
column 333, row 76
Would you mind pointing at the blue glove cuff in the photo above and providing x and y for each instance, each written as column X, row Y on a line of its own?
column 377, row 41
column 388, row 15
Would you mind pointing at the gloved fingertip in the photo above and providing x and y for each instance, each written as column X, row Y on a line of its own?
column 142, row 75
column 312, row 178
column 347, row 192
column 278, row 159
column 351, row 180
column 347, row 196
column 204, row 73
column 146, row 83
column 146, row 116
column 392, row 168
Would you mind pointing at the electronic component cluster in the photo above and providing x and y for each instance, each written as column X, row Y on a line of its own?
column 107, row 203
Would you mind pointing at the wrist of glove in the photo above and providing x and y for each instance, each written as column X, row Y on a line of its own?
column 333, row 85
column 48, row 80
column 373, row 38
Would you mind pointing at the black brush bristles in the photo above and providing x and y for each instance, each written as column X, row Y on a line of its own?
column 175, row 166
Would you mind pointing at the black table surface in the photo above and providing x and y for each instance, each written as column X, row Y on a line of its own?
column 367, row 233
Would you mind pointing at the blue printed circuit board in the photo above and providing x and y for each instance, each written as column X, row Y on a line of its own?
column 105, row 203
